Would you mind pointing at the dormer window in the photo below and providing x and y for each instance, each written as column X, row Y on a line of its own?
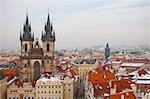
column 100, row 87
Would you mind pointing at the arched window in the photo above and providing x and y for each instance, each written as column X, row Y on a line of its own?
column 48, row 47
column 26, row 47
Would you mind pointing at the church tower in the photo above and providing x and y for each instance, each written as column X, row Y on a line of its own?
column 26, row 39
column 36, row 59
column 107, row 52
column 48, row 39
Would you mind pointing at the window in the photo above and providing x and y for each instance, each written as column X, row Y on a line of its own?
column 48, row 47
column 69, row 89
column 26, row 47
column 25, row 65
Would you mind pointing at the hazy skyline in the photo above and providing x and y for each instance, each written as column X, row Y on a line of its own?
column 78, row 22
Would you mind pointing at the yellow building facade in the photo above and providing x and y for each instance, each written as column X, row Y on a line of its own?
column 3, row 88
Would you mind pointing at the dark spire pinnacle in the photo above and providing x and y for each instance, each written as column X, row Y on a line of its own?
column 48, row 34
column 27, row 20
column 27, row 31
column 107, row 45
column 48, row 20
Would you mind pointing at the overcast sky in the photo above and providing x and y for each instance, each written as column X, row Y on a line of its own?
column 78, row 22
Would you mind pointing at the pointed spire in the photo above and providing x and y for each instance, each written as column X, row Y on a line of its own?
column 27, row 20
column 48, row 20
column 107, row 45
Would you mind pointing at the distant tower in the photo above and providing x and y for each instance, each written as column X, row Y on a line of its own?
column 107, row 52
column 48, row 39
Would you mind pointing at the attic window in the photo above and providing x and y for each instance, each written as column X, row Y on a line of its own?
column 104, row 76
column 127, row 94
column 97, row 87
column 107, row 87
column 96, row 80
column 100, row 87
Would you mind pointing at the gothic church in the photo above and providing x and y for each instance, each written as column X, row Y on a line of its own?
column 35, row 58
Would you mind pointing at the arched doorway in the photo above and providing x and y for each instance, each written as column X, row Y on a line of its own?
column 36, row 70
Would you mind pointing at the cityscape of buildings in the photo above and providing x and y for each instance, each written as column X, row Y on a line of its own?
column 39, row 71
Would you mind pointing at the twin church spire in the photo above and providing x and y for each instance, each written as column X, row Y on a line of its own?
column 47, row 35
column 27, row 31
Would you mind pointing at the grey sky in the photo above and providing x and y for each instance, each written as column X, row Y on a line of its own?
column 78, row 22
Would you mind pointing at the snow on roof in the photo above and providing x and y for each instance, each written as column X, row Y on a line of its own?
column 142, row 81
column 132, row 64
column 12, row 80
column 115, row 62
column 52, row 79
column 144, row 77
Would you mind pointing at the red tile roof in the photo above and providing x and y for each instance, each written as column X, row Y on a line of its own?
column 138, row 60
column 9, row 71
column 142, row 72
column 96, row 77
column 122, row 84
column 100, row 80
column 101, row 88
column 126, row 95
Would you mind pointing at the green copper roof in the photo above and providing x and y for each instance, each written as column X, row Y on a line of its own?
column 1, row 76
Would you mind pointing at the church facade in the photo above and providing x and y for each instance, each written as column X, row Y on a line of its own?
column 36, row 58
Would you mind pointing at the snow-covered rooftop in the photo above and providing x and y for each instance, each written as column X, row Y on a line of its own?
column 12, row 80
column 146, row 77
column 142, row 81
column 132, row 64
column 52, row 79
